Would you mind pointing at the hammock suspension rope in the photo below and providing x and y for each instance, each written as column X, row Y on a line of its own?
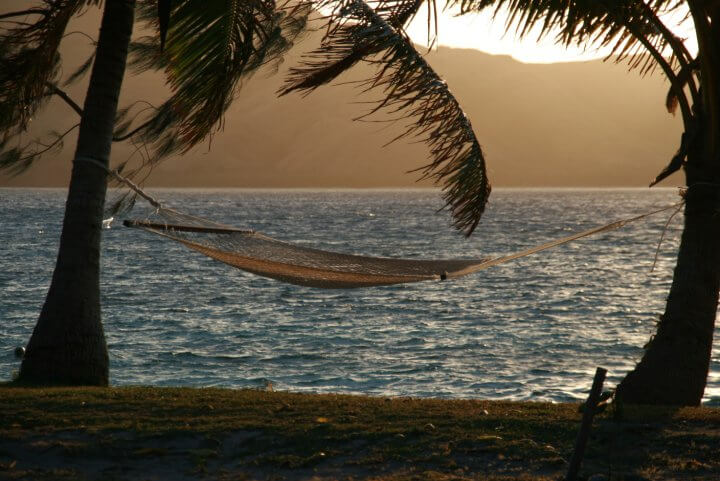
column 262, row 255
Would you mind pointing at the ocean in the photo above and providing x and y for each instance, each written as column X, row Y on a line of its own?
column 532, row 329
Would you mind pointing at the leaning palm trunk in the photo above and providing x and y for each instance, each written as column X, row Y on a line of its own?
column 675, row 366
column 676, row 363
column 68, row 343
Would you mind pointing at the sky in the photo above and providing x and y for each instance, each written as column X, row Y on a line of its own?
column 552, row 124
column 481, row 32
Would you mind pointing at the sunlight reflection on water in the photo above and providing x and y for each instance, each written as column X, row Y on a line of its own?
column 535, row 328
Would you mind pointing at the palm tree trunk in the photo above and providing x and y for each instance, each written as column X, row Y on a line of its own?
column 68, row 343
column 675, row 366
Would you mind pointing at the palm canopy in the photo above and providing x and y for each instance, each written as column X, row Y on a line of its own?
column 634, row 31
column 410, row 91
column 212, row 45
column 373, row 31
column 202, row 42
column 29, row 67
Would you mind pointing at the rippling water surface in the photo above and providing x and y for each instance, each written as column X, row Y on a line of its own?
column 534, row 328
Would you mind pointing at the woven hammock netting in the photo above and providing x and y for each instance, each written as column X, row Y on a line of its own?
column 262, row 255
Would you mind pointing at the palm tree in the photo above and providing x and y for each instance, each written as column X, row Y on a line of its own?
column 675, row 365
column 211, row 46
column 68, row 343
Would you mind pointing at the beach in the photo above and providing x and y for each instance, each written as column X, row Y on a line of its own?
column 134, row 433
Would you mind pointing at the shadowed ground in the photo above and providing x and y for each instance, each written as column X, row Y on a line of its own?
column 182, row 433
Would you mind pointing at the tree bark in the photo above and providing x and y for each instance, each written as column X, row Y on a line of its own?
column 68, row 345
column 674, row 368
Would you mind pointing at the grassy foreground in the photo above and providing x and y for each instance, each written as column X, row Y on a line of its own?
column 181, row 433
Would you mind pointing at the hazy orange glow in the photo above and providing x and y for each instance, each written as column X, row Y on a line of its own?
column 563, row 124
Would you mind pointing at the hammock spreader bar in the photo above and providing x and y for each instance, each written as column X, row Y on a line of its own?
column 258, row 254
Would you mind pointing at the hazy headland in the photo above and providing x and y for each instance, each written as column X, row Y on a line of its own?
column 574, row 124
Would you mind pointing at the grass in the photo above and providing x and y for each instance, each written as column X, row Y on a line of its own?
column 185, row 433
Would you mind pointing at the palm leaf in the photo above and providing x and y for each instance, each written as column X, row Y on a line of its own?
column 211, row 45
column 29, row 66
column 396, row 13
column 411, row 90
column 632, row 29
column 81, row 70
column 619, row 24
column 29, row 59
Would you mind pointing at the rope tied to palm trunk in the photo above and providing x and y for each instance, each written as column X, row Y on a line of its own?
column 121, row 178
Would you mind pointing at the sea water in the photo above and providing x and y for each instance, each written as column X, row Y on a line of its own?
column 532, row 329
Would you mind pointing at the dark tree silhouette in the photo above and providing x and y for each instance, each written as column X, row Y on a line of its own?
column 675, row 366
column 209, row 48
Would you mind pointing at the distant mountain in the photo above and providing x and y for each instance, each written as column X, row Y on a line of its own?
column 573, row 124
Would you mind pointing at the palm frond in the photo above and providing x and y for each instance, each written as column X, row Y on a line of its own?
column 126, row 124
column 29, row 59
column 211, row 45
column 685, row 77
column 82, row 69
column 15, row 160
column 631, row 29
column 29, row 71
column 413, row 91
column 395, row 12
column 580, row 21
column 671, row 101
column 11, row 160
column 144, row 54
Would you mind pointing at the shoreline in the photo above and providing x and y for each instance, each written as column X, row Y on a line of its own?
column 214, row 433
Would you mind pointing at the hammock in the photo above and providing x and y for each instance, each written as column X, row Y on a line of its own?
column 262, row 255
